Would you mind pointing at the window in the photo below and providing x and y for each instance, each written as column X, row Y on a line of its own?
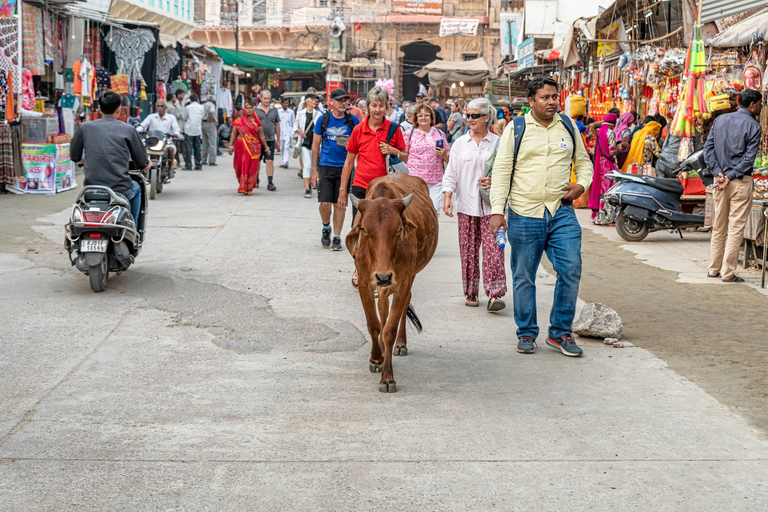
column 259, row 12
column 468, row 56
column 228, row 12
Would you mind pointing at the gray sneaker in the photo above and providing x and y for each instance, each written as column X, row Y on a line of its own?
column 566, row 345
column 336, row 244
column 326, row 238
column 526, row 345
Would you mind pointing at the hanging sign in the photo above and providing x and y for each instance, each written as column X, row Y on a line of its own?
column 615, row 32
column 525, row 54
column 510, row 25
column 459, row 26
column 418, row 6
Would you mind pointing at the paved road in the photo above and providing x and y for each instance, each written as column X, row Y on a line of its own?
column 228, row 370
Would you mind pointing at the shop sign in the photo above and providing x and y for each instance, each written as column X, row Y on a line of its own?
column 525, row 54
column 65, row 169
column 363, row 73
column 510, row 25
column 418, row 6
column 39, row 163
column 615, row 32
column 459, row 26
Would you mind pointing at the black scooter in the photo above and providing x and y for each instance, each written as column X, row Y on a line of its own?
column 646, row 204
column 101, row 236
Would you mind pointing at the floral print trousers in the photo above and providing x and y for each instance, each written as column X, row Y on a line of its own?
column 474, row 232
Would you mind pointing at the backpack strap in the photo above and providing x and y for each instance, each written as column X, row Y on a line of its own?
column 518, row 127
column 350, row 122
column 569, row 126
column 391, row 133
column 324, row 122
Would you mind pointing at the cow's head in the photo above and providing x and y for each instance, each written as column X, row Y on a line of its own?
column 378, row 235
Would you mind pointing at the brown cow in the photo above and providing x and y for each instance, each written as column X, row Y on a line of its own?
column 393, row 238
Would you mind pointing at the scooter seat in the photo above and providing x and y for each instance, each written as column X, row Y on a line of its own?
column 670, row 185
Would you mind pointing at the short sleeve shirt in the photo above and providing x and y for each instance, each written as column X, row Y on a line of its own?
column 364, row 142
column 268, row 121
column 333, row 145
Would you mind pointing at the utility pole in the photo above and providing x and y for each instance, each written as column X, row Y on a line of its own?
column 237, row 26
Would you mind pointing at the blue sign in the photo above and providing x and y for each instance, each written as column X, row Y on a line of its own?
column 525, row 54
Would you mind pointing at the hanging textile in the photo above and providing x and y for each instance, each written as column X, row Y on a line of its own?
column 103, row 81
column 49, row 42
column 39, row 42
column 3, row 88
column 7, row 172
column 119, row 84
column 27, row 90
column 92, row 46
column 62, row 33
column 28, row 39
column 9, row 54
column 167, row 58
column 130, row 47
column 160, row 90
column 8, row 9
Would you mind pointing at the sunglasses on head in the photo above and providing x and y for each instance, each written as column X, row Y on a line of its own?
column 475, row 116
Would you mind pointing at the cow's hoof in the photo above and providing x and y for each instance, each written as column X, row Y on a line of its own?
column 401, row 351
column 388, row 387
column 375, row 367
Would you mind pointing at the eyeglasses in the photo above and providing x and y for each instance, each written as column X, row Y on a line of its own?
column 424, row 115
column 475, row 116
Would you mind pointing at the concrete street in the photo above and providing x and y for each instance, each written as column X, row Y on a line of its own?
column 228, row 370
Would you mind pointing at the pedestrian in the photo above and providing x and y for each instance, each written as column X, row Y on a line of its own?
column 287, row 120
column 329, row 152
column 439, row 114
column 304, row 128
column 408, row 123
column 605, row 161
column 247, row 141
column 541, row 217
column 371, row 142
column 419, row 97
column 730, row 152
column 354, row 110
column 499, row 126
column 464, row 177
column 270, row 123
column 193, row 130
column 225, row 130
column 644, row 149
column 210, row 136
column 361, row 104
column 455, row 123
column 176, row 109
column 427, row 149
column 163, row 122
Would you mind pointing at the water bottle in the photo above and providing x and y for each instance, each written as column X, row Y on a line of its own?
column 501, row 238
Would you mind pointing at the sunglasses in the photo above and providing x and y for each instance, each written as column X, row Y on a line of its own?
column 475, row 116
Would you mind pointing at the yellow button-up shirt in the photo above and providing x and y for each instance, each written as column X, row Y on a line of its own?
column 543, row 168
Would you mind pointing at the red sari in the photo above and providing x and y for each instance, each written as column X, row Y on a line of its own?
column 247, row 153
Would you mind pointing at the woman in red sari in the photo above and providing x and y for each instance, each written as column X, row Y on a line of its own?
column 247, row 141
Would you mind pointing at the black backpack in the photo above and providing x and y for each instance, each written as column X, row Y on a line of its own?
column 327, row 117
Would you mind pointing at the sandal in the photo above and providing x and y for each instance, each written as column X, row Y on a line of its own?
column 354, row 280
column 496, row 304
column 472, row 301
column 734, row 279
column 710, row 275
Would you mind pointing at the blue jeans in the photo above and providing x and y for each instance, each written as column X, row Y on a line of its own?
column 134, row 197
column 560, row 238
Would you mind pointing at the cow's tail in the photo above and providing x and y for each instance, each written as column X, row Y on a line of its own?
column 411, row 314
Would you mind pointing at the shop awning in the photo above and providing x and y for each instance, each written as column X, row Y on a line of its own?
column 256, row 61
column 752, row 30
column 470, row 71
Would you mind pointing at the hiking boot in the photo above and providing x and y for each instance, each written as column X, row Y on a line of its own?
column 526, row 345
column 336, row 244
column 326, row 239
column 271, row 187
column 566, row 345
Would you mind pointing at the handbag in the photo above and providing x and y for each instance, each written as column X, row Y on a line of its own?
column 394, row 164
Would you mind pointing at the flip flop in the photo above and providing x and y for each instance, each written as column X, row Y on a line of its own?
column 735, row 279
column 354, row 280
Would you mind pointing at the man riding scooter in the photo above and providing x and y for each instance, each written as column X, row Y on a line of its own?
column 166, row 123
column 109, row 145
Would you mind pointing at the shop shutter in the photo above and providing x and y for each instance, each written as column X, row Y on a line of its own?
column 717, row 9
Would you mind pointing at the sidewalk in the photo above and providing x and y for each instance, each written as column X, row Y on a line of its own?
column 228, row 370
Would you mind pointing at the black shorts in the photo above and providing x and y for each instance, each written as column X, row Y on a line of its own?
column 329, row 184
column 271, row 155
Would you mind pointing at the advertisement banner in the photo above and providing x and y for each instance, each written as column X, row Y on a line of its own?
column 510, row 25
column 418, row 6
column 39, row 162
column 613, row 31
column 65, row 169
column 525, row 54
column 458, row 26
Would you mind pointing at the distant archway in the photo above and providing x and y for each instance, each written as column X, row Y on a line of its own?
column 416, row 55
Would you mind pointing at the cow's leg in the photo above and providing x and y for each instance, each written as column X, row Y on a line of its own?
column 374, row 326
column 383, row 304
column 401, row 348
column 399, row 305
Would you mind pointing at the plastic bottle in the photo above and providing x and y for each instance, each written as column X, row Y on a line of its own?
column 501, row 238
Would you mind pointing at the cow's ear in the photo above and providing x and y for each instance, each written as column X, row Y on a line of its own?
column 408, row 225
column 353, row 239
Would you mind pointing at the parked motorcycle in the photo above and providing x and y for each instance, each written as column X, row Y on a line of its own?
column 163, row 168
column 101, row 236
column 645, row 203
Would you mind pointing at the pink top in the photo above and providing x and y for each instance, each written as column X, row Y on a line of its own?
column 466, row 166
column 422, row 160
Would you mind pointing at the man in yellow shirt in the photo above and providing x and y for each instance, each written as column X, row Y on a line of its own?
column 541, row 216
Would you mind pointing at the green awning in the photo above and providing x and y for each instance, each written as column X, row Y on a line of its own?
column 256, row 61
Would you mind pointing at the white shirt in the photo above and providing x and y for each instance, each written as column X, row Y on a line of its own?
column 166, row 124
column 466, row 165
column 224, row 99
column 209, row 111
column 287, row 119
column 301, row 120
column 193, row 115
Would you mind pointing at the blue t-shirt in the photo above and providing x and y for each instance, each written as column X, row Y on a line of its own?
column 333, row 152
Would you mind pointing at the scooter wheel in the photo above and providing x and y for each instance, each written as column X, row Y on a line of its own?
column 630, row 229
column 98, row 275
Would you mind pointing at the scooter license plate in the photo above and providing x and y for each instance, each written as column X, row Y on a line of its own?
column 93, row 245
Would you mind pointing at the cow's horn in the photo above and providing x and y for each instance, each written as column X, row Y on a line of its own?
column 407, row 200
column 355, row 201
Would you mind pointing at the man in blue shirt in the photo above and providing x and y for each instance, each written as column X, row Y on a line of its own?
column 329, row 152
column 730, row 152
